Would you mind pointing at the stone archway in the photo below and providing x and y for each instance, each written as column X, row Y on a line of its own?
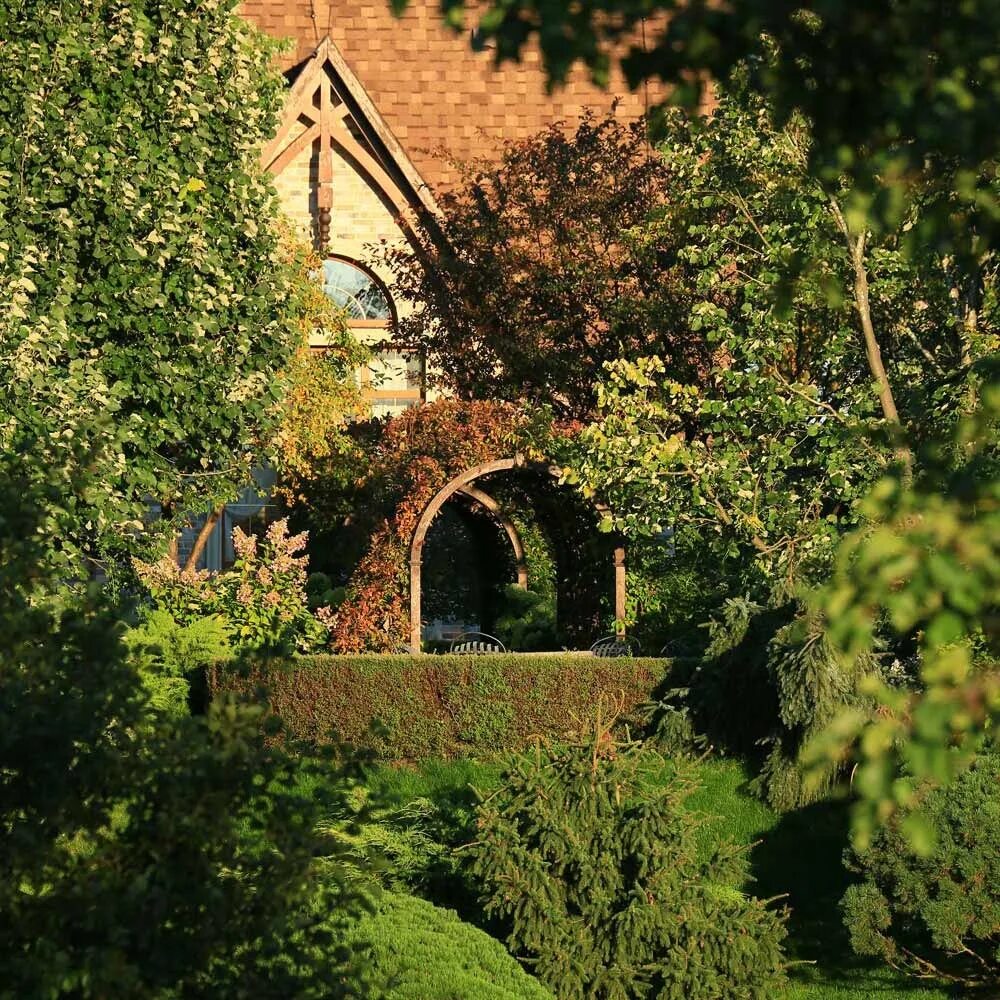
column 462, row 483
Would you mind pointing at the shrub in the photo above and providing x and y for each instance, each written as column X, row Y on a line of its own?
column 395, row 846
column 422, row 952
column 440, row 706
column 262, row 599
column 149, row 857
column 528, row 619
column 412, row 843
column 936, row 915
column 167, row 654
column 265, row 599
column 769, row 682
column 589, row 853
column 321, row 593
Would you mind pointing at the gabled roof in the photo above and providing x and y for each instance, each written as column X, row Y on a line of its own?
column 328, row 103
column 438, row 98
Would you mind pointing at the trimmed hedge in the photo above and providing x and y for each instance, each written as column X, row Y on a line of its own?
column 422, row 952
column 442, row 706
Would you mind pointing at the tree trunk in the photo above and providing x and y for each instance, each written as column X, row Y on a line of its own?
column 202, row 540
column 969, row 299
column 166, row 514
column 862, row 304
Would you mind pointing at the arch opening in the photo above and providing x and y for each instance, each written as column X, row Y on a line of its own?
column 464, row 485
column 472, row 556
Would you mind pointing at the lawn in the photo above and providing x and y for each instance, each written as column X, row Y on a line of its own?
column 797, row 855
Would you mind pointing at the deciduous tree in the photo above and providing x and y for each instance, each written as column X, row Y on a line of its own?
column 535, row 278
column 829, row 344
column 140, row 272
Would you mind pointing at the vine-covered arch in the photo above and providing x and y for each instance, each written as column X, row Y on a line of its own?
column 488, row 503
column 434, row 447
column 462, row 484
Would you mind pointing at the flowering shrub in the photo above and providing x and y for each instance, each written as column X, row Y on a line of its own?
column 262, row 599
column 187, row 595
column 265, row 595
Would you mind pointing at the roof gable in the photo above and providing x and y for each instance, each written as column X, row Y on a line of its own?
column 328, row 107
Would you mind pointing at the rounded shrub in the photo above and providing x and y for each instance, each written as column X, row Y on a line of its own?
column 589, row 854
column 936, row 914
column 422, row 952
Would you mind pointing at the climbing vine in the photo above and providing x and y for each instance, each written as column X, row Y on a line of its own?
column 419, row 452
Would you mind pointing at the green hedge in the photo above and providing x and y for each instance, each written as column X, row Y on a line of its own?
column 422, row 952
column 442, row 706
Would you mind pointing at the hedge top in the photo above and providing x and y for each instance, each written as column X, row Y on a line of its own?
column 440, row 706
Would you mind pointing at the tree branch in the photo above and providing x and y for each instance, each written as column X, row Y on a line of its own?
column 202, row 540
column 862, row 304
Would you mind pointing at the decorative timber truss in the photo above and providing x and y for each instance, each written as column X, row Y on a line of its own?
column 329, row 110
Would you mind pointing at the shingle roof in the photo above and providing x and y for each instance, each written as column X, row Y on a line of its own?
column 440, row 99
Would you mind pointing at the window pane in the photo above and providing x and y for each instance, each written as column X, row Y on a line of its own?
column 354, row 290
column 397, row 371
column 394, row 406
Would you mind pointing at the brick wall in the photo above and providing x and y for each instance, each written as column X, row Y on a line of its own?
column 359, row 213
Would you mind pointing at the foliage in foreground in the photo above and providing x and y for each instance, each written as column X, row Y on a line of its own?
column 422, row 952
column 589, row 854
column 927, row 564
column 140, row 271
column 936, row 916
column 144, row 855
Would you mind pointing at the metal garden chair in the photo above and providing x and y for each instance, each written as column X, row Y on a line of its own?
column 616, row 645
column 476, row 644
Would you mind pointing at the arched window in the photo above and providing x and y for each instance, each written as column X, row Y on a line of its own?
column 357, row 291
column 394, row 379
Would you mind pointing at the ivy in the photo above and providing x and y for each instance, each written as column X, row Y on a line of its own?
column 418, row 453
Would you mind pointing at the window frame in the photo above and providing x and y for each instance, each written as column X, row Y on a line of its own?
column 389, row 344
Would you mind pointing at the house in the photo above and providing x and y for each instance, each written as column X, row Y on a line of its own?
column 379, row 110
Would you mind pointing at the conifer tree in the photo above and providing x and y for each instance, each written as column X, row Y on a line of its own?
column 589, row 854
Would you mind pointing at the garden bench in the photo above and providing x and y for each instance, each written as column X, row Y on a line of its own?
column 615, row 645
column 477, row 644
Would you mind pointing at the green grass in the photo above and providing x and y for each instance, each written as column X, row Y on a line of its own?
column 447, row 782
column 796, row 856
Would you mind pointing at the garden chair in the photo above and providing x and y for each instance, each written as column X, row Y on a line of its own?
column 678, row 647
column 616, row 645
column 476, row 644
